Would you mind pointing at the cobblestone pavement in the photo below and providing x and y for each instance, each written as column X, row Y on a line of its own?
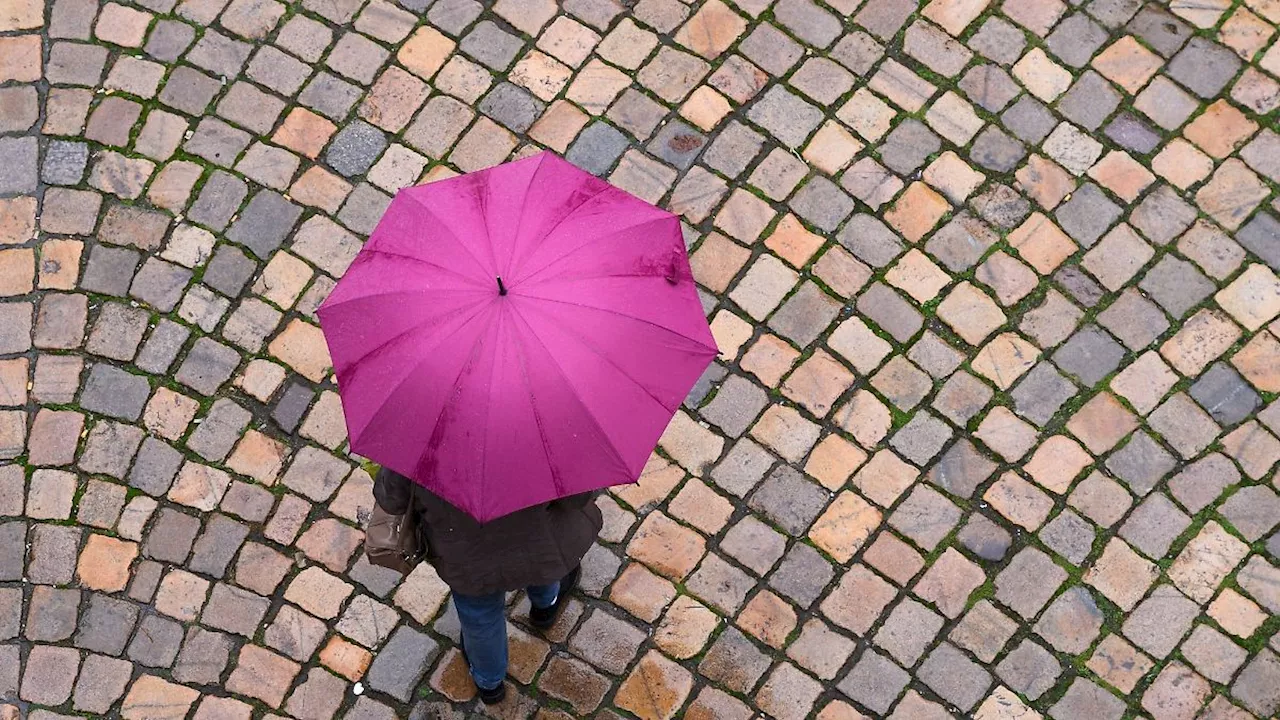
column 993, row 434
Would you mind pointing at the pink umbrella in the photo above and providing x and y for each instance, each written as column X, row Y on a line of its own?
column 516, row 335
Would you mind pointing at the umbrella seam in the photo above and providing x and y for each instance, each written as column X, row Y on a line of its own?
column 488, row 412
column 449, row 231
column 414, row 328
column 416, row 365
column 515, row 272
column 557, row 483
column 593, row 241
column 524, row 203
column 475, row 346
column 585, row 343
column 379, row 251
column 419, row 291
column 699, row 343
column 484, row 221
column 617, row 456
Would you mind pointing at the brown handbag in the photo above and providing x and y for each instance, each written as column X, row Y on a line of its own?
column 394, row 541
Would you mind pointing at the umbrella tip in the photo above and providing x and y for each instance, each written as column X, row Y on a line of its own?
column 502, row 289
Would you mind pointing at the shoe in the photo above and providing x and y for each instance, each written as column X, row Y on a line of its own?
column 492, row 696
column 545, row 618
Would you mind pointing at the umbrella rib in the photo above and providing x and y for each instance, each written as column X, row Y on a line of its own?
column 413, row 328
column 584, row 276
column 589, row 243
column 560, row 370
column 449, row 232
column 488, row 412
column 515, row 272
column 400, row 383
column 419, row 291
column 402, row 256
column 524, row 203
column 435, row 425
column 699, row 343
column 484, row 221
column 587, row 344
column 537, row 417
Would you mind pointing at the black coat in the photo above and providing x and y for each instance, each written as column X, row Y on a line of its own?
column 534, row 546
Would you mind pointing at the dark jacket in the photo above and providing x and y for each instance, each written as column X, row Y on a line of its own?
column 534, row 546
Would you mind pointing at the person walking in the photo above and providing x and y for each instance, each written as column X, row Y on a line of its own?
column 506, row 344
column 538, row 549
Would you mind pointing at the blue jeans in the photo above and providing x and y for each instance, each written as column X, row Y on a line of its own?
column 484, row 630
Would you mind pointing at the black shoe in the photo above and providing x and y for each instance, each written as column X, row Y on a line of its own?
column 545, row 618
column 492, row 696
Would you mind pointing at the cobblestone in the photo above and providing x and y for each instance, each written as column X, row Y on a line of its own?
column 978, row 271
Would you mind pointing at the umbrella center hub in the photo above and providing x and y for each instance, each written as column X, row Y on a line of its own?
column 502, row 289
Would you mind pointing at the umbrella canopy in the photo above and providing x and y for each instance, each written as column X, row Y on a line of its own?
column 516, row 335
